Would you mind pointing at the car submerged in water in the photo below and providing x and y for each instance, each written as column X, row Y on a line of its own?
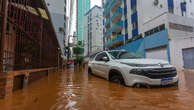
column 130, row 69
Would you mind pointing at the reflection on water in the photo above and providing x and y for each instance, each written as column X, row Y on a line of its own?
column 74, row 89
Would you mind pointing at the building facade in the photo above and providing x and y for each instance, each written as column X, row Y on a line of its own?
column 83, row 6
column 161, row 29
column 58, row 14
column 93, row 35
column 26, row 35
column 28, row 43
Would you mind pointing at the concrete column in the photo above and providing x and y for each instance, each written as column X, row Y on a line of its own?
column 3, row 80
column 6, row 84
column 25, row 82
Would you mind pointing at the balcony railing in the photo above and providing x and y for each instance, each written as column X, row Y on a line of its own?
column 120, row 39
column 118, row 12
column 118, row 25
column 109, row 5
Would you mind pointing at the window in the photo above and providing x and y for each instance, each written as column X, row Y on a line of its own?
column 134, row 25
column 100, row 56
column 124, row 55
column 155, row 30
column 93, row 55
column 134, row 9
column 162, row 27
column 183, row 8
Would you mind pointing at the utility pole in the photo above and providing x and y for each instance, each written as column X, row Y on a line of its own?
column 67, row 45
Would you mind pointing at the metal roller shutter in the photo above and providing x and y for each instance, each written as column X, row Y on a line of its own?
column 188, row 58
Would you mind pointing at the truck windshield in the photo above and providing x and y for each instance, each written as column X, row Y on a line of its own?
column 124, row 55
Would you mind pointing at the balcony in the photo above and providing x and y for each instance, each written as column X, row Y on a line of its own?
column 116, row 5
column 118, row 41
column 112, row 5
column 117, row 15
column 108, row 6
column 116, row 28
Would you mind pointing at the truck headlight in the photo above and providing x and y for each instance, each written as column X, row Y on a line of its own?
column 137, row 71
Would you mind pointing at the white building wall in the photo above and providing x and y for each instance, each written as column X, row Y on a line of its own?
column 85, row 40
column 151, row 16
column 95, row 41
column 56, row 9
column 56, row 6
column 176, row 53
column 123, row 19
column 129, row 18
column 190, row 8
column 158, row 20
column 179, row 40
column 148, row 12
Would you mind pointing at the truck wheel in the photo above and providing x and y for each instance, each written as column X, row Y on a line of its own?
column 89, row 71
column 117, row 79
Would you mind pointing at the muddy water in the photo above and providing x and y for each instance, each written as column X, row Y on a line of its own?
column 75, row 90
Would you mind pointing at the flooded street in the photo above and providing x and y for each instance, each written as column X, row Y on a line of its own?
column 74, row 89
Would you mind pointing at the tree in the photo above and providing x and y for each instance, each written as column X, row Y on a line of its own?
column 80, row 43
column 78, row 52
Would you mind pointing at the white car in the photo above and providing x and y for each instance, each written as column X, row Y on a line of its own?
column 129, row 69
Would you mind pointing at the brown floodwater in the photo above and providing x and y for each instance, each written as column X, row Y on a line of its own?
column 74, row 89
